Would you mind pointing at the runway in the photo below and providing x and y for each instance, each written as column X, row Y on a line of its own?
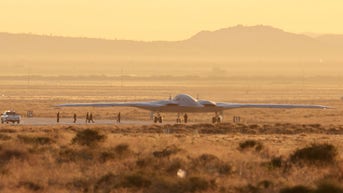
column 69, row 121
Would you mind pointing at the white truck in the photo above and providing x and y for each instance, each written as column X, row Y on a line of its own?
column 10, row 116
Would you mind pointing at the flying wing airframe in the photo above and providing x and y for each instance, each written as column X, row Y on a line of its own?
column 184, row 103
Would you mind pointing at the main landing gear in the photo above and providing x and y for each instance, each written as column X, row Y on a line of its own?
column 178, row 119
column 217, row 118
column 157, row 118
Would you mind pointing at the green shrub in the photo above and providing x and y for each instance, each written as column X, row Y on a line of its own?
column 317, row 154
column 88, row 137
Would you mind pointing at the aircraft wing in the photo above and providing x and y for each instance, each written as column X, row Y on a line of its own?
column 285, row 106
column 112, row 104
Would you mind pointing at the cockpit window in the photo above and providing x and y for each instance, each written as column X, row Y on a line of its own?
column 186, row 100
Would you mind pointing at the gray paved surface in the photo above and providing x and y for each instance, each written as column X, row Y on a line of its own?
column 69, row 121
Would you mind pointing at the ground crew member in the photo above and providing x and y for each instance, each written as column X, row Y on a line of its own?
column 87, row 117
column 185, row 117
column 91, row 118
column 58, row 117
column 118, row 117
column 75, row 117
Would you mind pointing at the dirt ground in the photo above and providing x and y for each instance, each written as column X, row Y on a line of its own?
column 41, row 95
column 147, row 158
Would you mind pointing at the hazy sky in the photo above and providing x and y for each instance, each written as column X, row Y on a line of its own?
column 165, row 19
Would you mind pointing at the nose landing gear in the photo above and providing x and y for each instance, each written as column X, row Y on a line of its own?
column 218, row 118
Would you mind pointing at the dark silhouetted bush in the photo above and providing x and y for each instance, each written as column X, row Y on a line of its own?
column 318, row 154
column 175, row 165
column 4, row 137
column 88, row 137
column 329, row 187
column 122, row 149
column 144, row 162
column 194, row 184
column 275, row 162
column 110, row 181
column 297, row 189
column 136, row 181
column 206, row 163
column 106, row 156
column 187, row 185
column 167, row 152
column 79, row 185
column 119, row 151
column 325, row 186
column 211, row 164
column 7, row 155
column 248, row 144
column 106, row 183
column 8, row 130
column 249, row 189
column 224, row 169
column 35, row 140
column 72, row 155
column 29, row 185
column 265, row 184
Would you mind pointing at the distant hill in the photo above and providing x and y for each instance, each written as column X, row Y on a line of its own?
column 332, row 39
column 236, row 47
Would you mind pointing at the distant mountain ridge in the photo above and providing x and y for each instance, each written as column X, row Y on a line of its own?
column 233, row 39
column 243, row 44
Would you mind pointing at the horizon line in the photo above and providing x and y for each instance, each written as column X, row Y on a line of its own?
column 309, row 34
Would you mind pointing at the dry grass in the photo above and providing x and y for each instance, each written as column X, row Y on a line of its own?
column 139, row 161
